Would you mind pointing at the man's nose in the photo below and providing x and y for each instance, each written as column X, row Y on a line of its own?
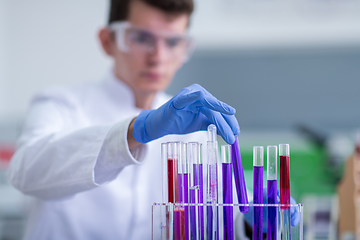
column 159, row 52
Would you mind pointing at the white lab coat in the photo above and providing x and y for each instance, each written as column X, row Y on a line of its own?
column 74, row 159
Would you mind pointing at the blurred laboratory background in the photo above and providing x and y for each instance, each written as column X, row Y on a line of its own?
column 290, row 68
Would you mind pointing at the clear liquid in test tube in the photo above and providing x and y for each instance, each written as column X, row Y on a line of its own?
column 212, row 227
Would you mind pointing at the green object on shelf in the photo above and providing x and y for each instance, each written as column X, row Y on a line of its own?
column 308, row 172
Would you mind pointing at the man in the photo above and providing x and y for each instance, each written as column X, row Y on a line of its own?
column 90, row 154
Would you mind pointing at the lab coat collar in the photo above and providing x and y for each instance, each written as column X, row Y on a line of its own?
column 122, row 92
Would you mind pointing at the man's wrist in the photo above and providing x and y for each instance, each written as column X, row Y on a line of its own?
column 132, row 143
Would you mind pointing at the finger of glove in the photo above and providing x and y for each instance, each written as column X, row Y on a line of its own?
column 278, row 195
column 222, row 126
column 202, row 99
column 204, row 122
column 233, row 123
column 295, row 214
column 295, row 218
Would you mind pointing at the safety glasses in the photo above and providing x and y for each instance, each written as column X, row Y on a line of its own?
column 136, row 40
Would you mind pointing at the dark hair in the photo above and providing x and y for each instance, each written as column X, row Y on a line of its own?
column 119, row 9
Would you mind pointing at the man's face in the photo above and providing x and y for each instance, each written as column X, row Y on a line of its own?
column 149, row 72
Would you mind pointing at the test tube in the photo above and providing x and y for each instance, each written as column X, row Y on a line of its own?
column 183, row 191
column 165, row 217
column 212, row 188
column 272, row 191
column 196, row 191
column 239, row 175
column 164, row 164
column 284, row 163
column 172, row 168
column 174, row 165
column 258, row 158
column 227, row 191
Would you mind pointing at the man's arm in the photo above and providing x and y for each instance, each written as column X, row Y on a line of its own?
column 56, row 159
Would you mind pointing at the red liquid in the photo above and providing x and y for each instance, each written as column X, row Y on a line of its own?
column 284, row 180
column 173, row 182
column 179, row 224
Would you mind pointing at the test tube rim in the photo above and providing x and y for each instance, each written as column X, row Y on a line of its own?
column 199, row 145
column 270, row 174
column 287, row 151
column 261, row 155
column 212, row 135
column 223, row 153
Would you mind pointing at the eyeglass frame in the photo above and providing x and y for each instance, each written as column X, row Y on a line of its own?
column 121, row 26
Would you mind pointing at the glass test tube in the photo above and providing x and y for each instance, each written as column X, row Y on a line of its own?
column 212, row 188
column 196, row 191
column 227, row 191
column 239, row 175
column 184, row 190
column 174, row 157
column 164, row 164
column 166, row 222
column 258, row 162
column 284, row 164
column 172, row 168
column 272, row 192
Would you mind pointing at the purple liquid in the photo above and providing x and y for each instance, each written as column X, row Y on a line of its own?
column 228, row 198
column 179, row 227
column 193, row 220
column 258, row 199
column 183, row 179
column 198, row 180
column 210, row 219
column 239, row 176
column 272, row 219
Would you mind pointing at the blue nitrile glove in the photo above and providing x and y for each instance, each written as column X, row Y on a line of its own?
column 294, row 218
column 192, row 109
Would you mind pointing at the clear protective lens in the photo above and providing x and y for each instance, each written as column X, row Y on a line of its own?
column 131, row 39
column 139, row 40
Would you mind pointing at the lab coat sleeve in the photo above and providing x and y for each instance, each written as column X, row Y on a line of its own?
column 55, row 161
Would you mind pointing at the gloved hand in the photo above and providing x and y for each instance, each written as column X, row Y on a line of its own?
column 192, row 109
column 294, row 214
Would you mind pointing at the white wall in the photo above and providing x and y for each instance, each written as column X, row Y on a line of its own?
column 3, row 24
column 229, row 24
column 46, row 43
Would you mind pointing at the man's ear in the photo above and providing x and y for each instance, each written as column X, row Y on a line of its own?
column 107, row 41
